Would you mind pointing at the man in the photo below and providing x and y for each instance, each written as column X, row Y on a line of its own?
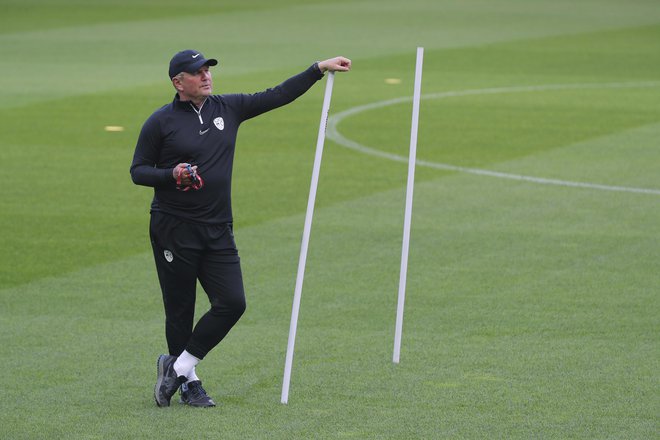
column 185, row 151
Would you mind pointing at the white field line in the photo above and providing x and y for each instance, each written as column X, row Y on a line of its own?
column 334, row 134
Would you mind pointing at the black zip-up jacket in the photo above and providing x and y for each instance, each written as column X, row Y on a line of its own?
column 179, row 132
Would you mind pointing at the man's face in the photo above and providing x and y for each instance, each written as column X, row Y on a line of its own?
column 194, row 86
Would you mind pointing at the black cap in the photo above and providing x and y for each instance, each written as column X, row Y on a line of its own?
column 189, row 61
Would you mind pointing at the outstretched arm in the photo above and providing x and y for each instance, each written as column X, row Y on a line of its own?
column 255, row 104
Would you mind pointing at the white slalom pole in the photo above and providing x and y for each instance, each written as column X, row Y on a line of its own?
column 409, row 200
column 305, row 240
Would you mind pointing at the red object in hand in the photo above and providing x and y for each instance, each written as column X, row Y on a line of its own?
column 197, row 184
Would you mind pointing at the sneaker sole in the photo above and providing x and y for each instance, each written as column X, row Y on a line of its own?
column 181, row 402
column 159, row 381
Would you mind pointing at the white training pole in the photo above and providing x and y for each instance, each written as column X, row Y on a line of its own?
column 305, row 240
column 409, row 200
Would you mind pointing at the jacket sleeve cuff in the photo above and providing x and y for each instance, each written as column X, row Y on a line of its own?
column 165, row 176
column 317, row 70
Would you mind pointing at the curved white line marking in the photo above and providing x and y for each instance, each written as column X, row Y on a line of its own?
column 333, row 133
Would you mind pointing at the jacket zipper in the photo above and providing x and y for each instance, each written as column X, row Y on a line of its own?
column 199, row 112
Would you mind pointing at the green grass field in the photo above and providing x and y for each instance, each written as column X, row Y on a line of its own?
column 532, row 305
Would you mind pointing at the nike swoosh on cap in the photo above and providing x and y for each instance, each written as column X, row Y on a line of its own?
column 195, row 56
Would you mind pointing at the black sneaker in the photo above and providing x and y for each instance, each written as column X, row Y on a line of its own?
column 193, row 394
column 167, row 382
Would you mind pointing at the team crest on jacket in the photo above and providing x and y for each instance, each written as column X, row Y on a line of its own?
column 219, row 122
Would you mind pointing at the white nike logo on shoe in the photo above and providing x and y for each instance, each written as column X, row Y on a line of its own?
column 202, row 132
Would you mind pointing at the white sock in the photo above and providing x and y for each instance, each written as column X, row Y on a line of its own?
column 192, row 376
column 184, row 363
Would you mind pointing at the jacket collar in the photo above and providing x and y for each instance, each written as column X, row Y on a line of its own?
column 184, row 105
column 181, row 105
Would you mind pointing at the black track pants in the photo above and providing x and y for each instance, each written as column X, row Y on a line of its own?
column 187, row 252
